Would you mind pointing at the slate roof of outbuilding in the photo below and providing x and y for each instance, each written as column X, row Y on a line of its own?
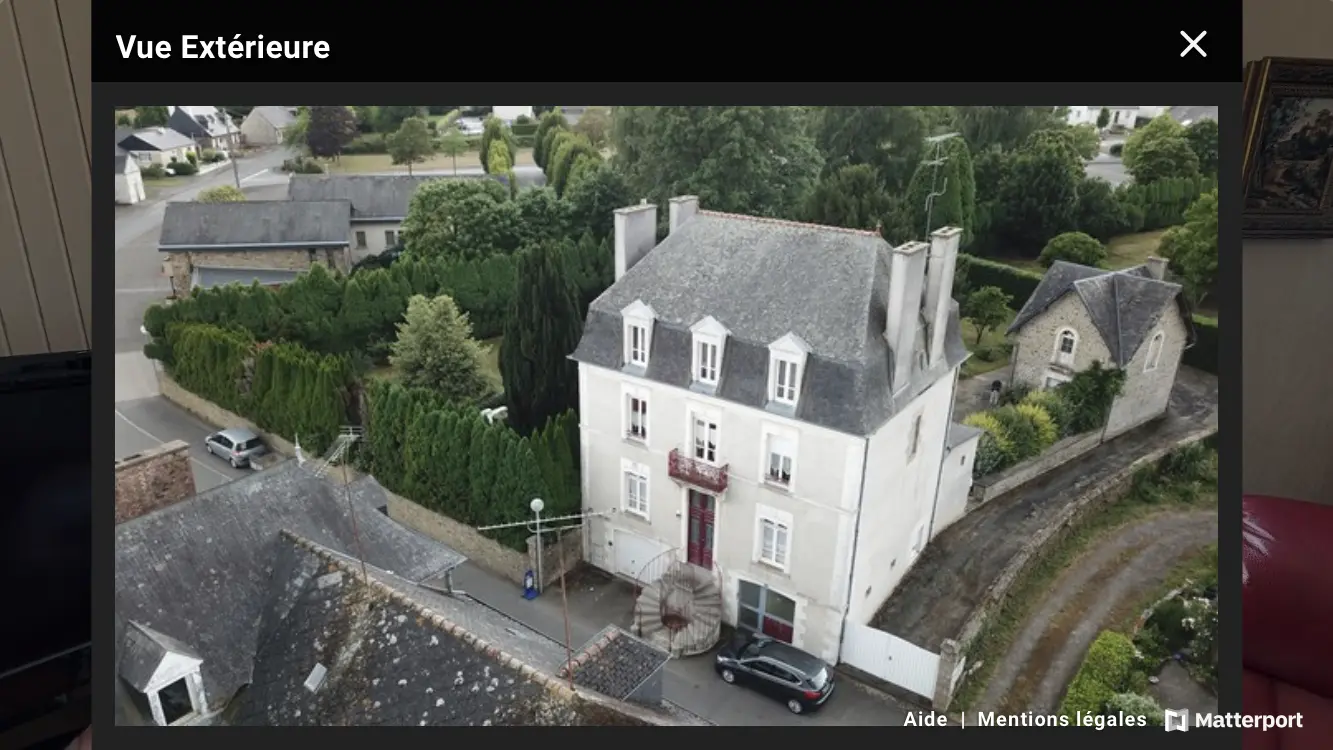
column 254, row 225
column 761, row 279
column 615, row 663
column 1124, row 305
column 374, row 197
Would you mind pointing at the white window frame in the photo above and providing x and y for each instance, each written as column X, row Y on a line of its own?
column 635, row 503
column 709, row 337
column 793, row 353
column 637, row 316
column 1155, row 346
column 778, row 442
column 628, row 397
column 711, row 419
column 914, row 437
column 781, row 524
column 1061, row 358
column 786, row 380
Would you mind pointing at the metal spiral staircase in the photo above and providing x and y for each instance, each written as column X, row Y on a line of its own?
column 680, row 610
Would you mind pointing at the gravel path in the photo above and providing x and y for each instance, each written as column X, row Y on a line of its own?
column 1083, row 601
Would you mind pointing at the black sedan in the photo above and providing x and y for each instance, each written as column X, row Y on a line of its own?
column 802, row 681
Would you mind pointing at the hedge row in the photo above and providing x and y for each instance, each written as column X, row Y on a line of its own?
column 1203, row 354
column 974, row 273
column 284, row 388
column 1105, row 672
column 450, row 460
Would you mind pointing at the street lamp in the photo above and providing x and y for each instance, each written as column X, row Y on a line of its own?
column 537, row 505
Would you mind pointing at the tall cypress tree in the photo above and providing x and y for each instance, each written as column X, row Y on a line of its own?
column 542, row 330
column 485, row 450
column 457, row 460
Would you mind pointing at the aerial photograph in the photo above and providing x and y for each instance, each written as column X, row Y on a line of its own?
column 665, row 416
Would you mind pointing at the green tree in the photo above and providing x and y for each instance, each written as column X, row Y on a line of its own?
column 497, row 158
column 495, row 130
column 221, row 194
column 1192, row 248
column 483, row 470
column 390, row 119
column 889, row 139
column 592, row 200
column 1073, row 247
column 595, row 125
column 560, row 164
column 850, row 197
column 1090, row 394
column 1203, row 140
column 328, row 129
column 541, row 216
column 456, row 463
column 987, row 308
column 550, row 122
column 151, row 117
column 459, row 220
column 953, row 183
column 386, row 422
column 1003, row 127
column 542, row 330
column 1086, row 140
column 435, row 350
column 1038, row 196
column 294, row 135
column 1103, row 118
column 1100, row 214
column 750, row 160
column 412, row 143
column 1159, row 150
column 453, row 144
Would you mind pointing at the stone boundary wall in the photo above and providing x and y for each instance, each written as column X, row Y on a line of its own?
column 153, row 479
column 953, row 650
column 486, row 552
column 215, row 415
column 990, row 487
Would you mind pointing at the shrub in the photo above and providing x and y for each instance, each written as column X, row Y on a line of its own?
column 192, row 157
column 1104, row 672
column 1047, row 430
column 1026, row 436
column 1133, row 704
column 302, row 165
column 1203, row 355
column 1188, row 463
column 995, row 450
column 1117, row 149
column 1015, row 394
column 153, row 172
column 183, row 168
column 1091, row 393
column 1072, row 247
column 1054, row 405
column 1015, row 282
column 370, row 143
column 497, row 157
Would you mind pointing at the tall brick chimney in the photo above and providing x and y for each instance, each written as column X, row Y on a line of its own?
column 152, row 480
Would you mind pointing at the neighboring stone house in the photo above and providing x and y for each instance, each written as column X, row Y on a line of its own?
column 267, row 126
column 129, row 182
column 282, row 599
column 160, row 146
column 1133, row 320
column 210, row 127
column 767, row 408
column 271, row 242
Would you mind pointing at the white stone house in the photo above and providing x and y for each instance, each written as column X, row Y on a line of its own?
column 210, row 127
column 771, row 401
column 129, row 181
column 1125, row 117
column 160, row 146
column 267, row 126
column 1133, row 319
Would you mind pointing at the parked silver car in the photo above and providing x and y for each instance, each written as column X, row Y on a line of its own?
column 237, row 445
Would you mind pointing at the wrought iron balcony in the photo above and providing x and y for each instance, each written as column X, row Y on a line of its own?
column 685, row 468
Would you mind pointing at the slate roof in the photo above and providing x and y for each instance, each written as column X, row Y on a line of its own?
column 961, row 433
column 278, row 117
column 374, row 197
column 154, row 139
column 143, row 652
column 387, row 661
column 763, row 278
column 615, row 663
column 1124, row 305
column 214, row 123
column 254, row 225
column 199, row 571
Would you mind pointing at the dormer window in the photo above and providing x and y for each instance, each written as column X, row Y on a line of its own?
column 638, row 319
column 709, row 345
column 164, row 676
column 787, row 359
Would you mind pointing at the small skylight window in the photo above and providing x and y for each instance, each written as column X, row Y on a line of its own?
column 316, row 678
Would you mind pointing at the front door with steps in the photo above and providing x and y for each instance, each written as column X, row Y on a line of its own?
column 700, row 539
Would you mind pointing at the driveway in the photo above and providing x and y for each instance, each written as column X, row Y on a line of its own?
column 952, row 576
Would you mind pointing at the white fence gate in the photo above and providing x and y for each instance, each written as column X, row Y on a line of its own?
column 890, row 658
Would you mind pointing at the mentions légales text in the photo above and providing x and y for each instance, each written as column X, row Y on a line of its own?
column 993, row 719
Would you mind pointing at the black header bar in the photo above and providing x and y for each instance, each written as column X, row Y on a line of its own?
column 1133, row 40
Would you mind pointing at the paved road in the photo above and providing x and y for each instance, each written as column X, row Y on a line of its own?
column 146, row 423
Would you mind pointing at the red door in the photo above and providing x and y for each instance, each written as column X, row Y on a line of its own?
column 701, row 530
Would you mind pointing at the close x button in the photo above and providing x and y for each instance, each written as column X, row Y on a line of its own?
column 1193, row 45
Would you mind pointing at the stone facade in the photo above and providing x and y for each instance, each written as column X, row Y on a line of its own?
column 1146, row 393
column 182, row 264
column 152, row 480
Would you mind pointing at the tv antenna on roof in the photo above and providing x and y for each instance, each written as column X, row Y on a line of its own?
column 319, row 468
column 937, row 187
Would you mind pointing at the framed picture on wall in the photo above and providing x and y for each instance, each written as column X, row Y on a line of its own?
column 1288, row 161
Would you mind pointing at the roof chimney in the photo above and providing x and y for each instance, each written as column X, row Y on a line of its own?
column 907, row 272
column 681, row 209
column 1156, row 267
column 939, row 285
column 636, row 234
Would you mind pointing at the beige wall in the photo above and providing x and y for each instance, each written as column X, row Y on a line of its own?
column 182, row 264
column 45, row 152
column 1288, row 353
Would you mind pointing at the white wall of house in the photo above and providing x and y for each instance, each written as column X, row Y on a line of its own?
column 899, row 497
column 164, row 158
column 1119, row 116
column 373, row 237
column 955, row 484
column 509, row 114
column 129, row 185
column 818, row 508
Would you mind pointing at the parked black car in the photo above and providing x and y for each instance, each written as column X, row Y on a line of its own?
column 800, row 680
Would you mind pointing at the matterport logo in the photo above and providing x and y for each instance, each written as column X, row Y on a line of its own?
column 1178, row 720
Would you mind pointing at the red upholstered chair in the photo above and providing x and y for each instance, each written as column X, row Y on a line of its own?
column 1287, row 606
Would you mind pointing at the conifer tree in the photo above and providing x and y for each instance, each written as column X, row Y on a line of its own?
column 435, row 350
column 481, row 471
column 543, row 328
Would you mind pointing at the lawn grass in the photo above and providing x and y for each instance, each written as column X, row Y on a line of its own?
column 490, row 364
column 1129, row 250
column 1032, row 584
column 992, row 346
column 377, row 163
